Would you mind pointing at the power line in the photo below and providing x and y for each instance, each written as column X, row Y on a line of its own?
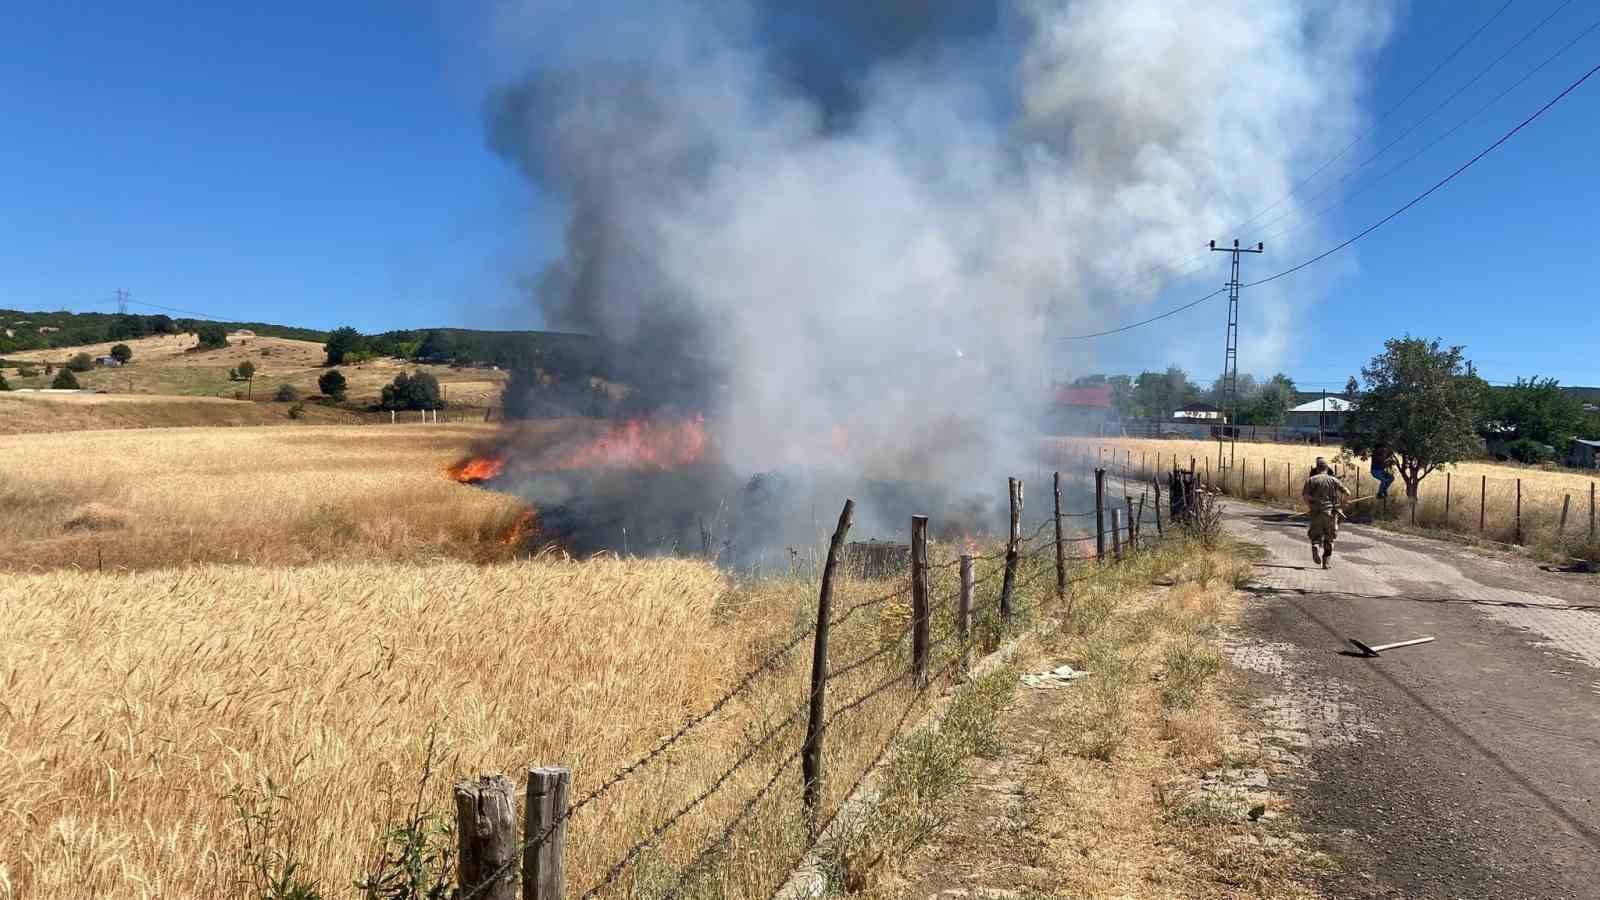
column 1365, row 231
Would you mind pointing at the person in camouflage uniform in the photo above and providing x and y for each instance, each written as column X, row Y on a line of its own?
column 1324, row 494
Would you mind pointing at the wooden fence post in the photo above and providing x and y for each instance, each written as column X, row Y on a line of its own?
column 1358, row 482
column 1133, row 523
column 1288, row 481
column 1447, row 499
column 1061, row 549
column 486, row 837
column 1157, row 482
column 1565, row 503
column 964, row 607
column 1116, row 533
column 1483, row 502
column 1519, row 511
column 1009, row 582
column 811, row 751
column 1100, row 514
column 544, row 868
column 1591, row 511
column 1265, row 494
column 1138, row 520
column 919, row 600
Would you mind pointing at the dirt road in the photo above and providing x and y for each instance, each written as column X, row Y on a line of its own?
column 1468, row 767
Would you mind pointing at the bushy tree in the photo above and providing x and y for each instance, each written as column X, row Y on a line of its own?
column 286, row 394
column 1160, row 394
column 1538, row 411
column 4, row 384
column 65, row 381
column 437, row 345
column 417, row 390
column 247, row 370
column 122, row 353
column 81, row 362
column 1424, row 401
column 163, row 324
column 343, row 342
column 125, row 327
column 332, row 384
column 212, row 336
column 1270, row 403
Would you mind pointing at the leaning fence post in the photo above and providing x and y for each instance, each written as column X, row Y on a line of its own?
column 544, row 830
column 1138, row 521
column 486, row 836
column 1565, row 503
column 1100, row 514
column 964, row 608
column 1009, row 583
column 811, row 750
column 1116, row 533
column 1157, row 483
column 1061, row 550
column 919, row 599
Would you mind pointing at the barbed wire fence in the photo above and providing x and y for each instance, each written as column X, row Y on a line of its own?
column 494, row 865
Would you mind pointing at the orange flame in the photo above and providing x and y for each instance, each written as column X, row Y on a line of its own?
column 475, row 469
column 642, row 443
column 522, row 530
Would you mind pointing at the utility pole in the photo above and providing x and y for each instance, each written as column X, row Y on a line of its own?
column 1230, row 362
column 122, row 302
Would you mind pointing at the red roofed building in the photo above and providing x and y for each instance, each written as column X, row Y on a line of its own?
column 1081, row 409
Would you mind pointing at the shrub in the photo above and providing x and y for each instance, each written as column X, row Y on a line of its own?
column 212, row 337
column 122, row 353
column 1529, row 451
column 27, row 371
column 66, row 381
column 418, row 390
column 332, row 384
column 83, row 362
column 48, row 368
column 4, row 384
column 297, row 410
column 233, row 374
column 286, row 394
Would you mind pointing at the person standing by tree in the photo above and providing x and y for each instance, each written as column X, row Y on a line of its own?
column 1324, row 496
column 1382, row 468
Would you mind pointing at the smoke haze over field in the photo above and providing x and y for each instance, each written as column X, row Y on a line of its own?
column 870, row 210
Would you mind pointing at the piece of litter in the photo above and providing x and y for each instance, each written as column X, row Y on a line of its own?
column 1057, row 676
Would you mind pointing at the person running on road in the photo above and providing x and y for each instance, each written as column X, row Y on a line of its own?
column 1382, row 464
column 1324, row 494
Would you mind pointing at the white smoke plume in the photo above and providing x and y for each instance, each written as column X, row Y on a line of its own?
column 871, row 211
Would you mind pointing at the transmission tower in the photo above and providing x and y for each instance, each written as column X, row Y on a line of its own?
column 1230, row 362
column 122, row 302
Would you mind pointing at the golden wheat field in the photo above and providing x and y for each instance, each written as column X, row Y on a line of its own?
column 1277, row 471
column 290, row 652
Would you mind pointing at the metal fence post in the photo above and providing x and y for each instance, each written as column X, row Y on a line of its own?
column 1100, row 514
column 811, row 751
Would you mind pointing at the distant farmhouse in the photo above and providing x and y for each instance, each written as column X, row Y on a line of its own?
column 1085, row 409
column 1325, row 415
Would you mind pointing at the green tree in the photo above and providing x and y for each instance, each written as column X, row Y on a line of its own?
column 65, row 381
column 1157, row 395
column 4, row 384
column 125, row 327
column 344, row 341
column 81, row 362
column 286, row 394
column 418, row 390
column 1537, row 410
column 212, row 336
column 1268, row 404
column 332, row 384
column 1423, row 400
column 122, row 353
column 247, row 370
column 437, row 345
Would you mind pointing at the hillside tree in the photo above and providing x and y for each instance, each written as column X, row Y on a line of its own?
column 212, row 336
column 344, row 341
column 81, row 362
column 65, row 381
column 1423, row 400
column 247, row 373
column 332, row 384
column 1537, row 410
column 122, row 353
column 4, row 384
column 417, row 390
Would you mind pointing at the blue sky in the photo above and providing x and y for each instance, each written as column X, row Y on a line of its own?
column 325, row 163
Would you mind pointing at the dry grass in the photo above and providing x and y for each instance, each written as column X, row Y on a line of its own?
column 1120, row 816
column 1470, row 484
column 136, row 706
column 264, row 496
